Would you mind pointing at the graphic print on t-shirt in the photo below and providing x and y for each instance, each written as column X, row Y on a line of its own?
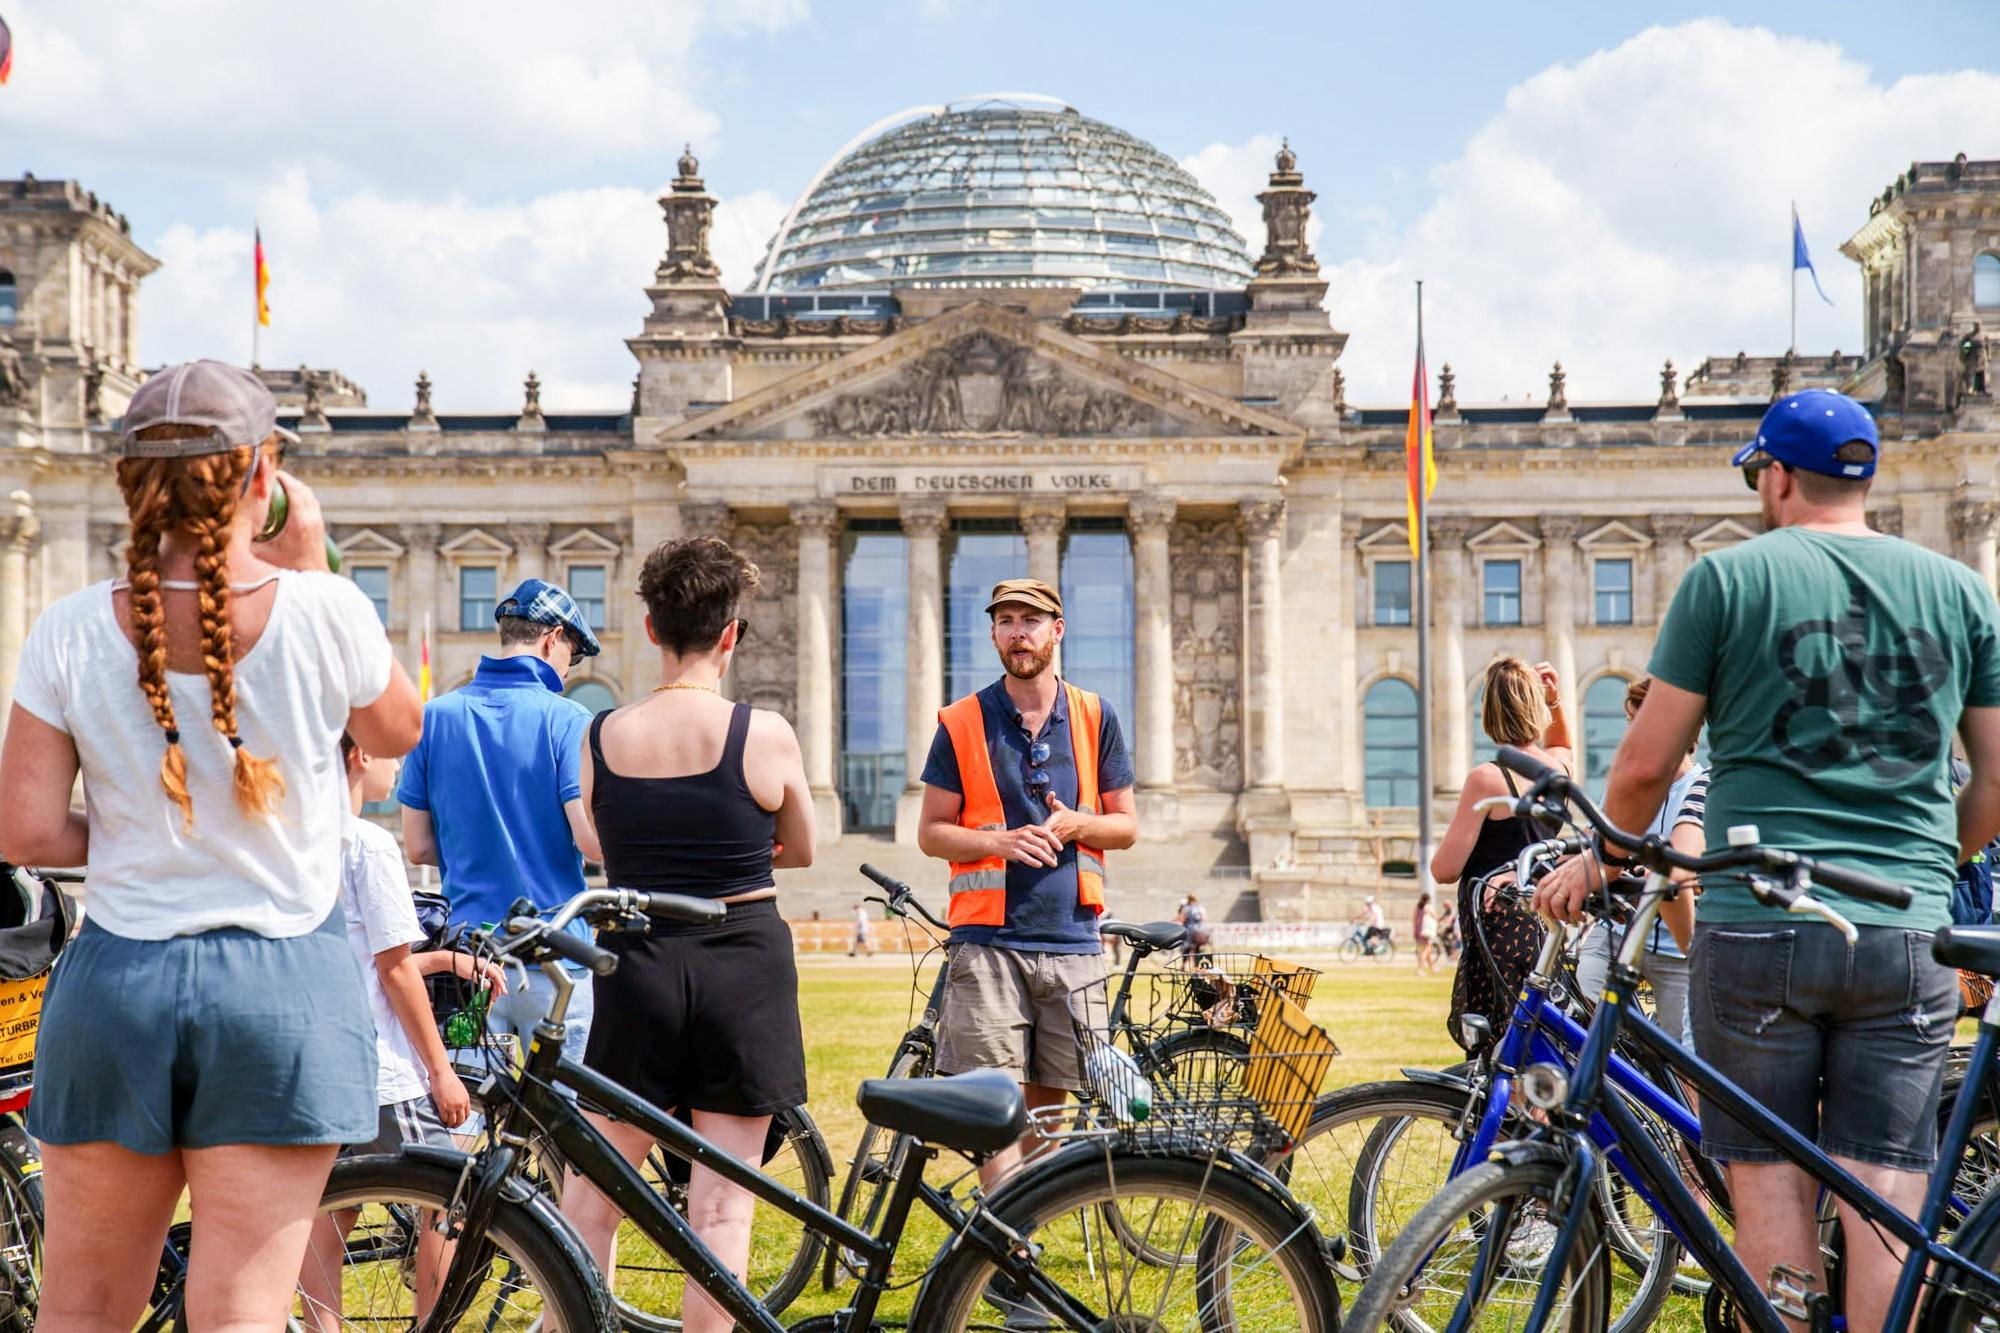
column 1853, row 704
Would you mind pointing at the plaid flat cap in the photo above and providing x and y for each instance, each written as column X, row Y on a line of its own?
column 544, row 603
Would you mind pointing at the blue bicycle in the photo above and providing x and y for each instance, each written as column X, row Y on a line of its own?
column 1518, row 1241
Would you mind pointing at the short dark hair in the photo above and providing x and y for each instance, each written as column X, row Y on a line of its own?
column 348, row 745
column 692, row 588
column 515, row 630
column 1820, row 489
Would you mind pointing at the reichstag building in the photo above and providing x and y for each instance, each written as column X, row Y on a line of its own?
column 1004, row 338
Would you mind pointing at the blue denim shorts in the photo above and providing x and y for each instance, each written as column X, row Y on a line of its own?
column 225, row 1037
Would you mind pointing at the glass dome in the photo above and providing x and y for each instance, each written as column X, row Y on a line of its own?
column 997, row 193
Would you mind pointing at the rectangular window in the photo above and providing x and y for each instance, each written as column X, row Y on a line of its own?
column 374, row 581
column 982, row 553
column 1503, row 592
column 1098, row 614
column 586, row 585
column 1392, row 592
column 477, row 592
column 1613, row 585
column 874, row 617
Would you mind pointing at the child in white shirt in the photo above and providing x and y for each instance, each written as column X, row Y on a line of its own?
column 420, row 1095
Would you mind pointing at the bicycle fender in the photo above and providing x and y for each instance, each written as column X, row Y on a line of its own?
column 808, row 1131
column 1523, row 1152
column 1441, row 1078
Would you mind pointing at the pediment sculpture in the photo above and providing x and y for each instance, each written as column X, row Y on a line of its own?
column 981, row 385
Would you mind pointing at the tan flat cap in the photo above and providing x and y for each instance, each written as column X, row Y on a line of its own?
column 1025, row 592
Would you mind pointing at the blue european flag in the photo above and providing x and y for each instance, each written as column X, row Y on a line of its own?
column 1802, row 260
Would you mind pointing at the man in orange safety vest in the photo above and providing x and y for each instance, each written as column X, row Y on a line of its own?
column 1027, row 786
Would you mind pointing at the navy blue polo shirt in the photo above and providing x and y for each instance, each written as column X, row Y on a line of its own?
column 499, row 758
column 1043, row 914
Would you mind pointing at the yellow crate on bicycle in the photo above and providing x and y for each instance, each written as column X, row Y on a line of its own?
column 1289, row 1057
column 1292, row 980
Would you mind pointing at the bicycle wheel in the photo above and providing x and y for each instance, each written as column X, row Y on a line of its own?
column 1385, row 952
column 1349, row 951
column 20, row 1228
column 1495, row 1218
column 646, row 1283
column 529, row 1277
column 1244, row 1259
column 877, row 1160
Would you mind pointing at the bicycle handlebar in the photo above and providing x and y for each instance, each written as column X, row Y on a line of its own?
column 575, row 948
column 902, row 899
column 1656, row 854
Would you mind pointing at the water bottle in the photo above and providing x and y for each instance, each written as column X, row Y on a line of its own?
column 1115, row 1079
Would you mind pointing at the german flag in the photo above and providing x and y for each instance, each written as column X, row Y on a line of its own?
column 263, row 282
column 1421, row 462
column 6, row 51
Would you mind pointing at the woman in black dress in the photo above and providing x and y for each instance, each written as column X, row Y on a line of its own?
column 1523, row 708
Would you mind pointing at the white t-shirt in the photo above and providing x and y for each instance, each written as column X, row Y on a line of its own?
column 381, row 914
column 323, row 654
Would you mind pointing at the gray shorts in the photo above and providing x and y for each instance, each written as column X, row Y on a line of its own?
column 1845, row 1045
column 203, row 1040
column 398, row 1123
column 1010, row 1009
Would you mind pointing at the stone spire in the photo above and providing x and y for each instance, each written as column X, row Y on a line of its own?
column 1447, row 403
column 1558, row 386
column 1287, row 210
column 1781, row 377
column 423, row 418
column 1670, row 394
column 531, row 404
column 314, row 415
column 690, row 211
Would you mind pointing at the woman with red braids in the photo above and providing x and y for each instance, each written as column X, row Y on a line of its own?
column 207, row 1030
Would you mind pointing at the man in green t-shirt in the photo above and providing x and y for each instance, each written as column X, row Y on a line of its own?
column 1832, row 665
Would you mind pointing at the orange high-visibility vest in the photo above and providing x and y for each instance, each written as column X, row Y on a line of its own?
column 979, row 888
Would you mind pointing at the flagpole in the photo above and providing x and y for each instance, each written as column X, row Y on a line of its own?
column 256, row 300
column 1423, row 617
column 1794, row 239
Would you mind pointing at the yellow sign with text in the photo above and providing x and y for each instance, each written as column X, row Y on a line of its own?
column 20, row 1018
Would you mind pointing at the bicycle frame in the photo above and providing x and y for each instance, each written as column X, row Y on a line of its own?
column 535, row 1095
column 1668, row 1193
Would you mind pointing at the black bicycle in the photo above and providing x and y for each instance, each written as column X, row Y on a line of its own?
column 1245, row 1258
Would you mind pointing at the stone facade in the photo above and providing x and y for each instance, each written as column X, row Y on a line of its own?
column 1261, row 507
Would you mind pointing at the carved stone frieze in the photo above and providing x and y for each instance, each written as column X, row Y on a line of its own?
column 1146, row 513
column 1973, row 520
column 705, row 518
column 981, row 385
column 1208, row 654
column 1888, row 521
column 766, row 667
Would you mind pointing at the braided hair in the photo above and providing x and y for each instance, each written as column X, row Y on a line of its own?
column 196, row 496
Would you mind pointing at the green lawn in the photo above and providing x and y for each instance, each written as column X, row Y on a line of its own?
column 1384, row 1017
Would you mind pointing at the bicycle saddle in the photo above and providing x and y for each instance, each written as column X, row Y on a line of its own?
column 1155, row 935
column 980, row 1112
column 1974, row 948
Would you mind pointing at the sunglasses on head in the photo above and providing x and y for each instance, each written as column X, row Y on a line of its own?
column 742, row 628
column 1757, row 463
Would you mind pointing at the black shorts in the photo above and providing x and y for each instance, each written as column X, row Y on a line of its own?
column 704, row 1018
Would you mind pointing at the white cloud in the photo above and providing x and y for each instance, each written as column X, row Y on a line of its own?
column 1635, row 206
column 1236, row 174
column 383, row 286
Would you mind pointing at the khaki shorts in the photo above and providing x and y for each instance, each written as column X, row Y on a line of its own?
column 1010, row 1009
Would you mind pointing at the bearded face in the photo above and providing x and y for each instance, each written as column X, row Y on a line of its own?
column 1026, row 640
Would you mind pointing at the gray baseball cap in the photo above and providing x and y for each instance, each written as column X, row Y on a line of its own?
column 230, row 401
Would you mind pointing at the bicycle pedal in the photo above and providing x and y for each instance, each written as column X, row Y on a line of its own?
column 1790, row 1289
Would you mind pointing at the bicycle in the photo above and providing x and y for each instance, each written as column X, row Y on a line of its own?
column 1249, row 1259
column 1363, row 943
column 1522, row 1221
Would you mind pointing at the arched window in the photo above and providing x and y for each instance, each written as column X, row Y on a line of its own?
column 1986, row 281
column 10, row 299
column 593, row 694
column 1389, row 744
column 1603, row 728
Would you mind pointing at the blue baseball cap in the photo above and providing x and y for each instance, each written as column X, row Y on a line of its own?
column 544, row 603
column 1806, row 430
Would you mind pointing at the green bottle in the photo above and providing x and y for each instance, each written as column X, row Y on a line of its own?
column 274, row 523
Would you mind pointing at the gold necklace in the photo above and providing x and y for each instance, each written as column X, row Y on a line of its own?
column 685, row 685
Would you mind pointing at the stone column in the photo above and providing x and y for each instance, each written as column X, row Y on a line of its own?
column 1671, row 557
column 1263, row 660
column 1452, row 750
column 1152, row 519
column 19, row 531
column 531, row 553
column 923, row 527
column 107, row 550
column 1973, row 525
column 711, row 518
column 1559, row 598
column 1042, row 519
column 420, row 594
column 816, row 522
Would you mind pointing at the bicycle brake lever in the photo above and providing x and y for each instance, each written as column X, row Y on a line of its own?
column 1807, row 905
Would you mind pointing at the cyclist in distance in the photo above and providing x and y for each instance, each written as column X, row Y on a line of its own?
column 1832, row 665
column 693, row 794
column 1027, row 786
column 206, row 1031
column 1522, row 707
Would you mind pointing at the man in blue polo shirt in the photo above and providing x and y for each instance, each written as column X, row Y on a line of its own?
column 492, row 794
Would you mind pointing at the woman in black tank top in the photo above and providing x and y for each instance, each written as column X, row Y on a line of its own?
column 1523, row 708
column 702, row 1020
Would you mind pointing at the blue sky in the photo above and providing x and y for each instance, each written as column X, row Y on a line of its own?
column 466, row 187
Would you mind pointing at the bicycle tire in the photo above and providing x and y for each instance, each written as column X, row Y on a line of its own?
column 878, row 1159
column 21, row 1217
column 1414, row 1285
column 1385, row 954
column 526, row 1239
column 1254, row 1248
column 1349, row 952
